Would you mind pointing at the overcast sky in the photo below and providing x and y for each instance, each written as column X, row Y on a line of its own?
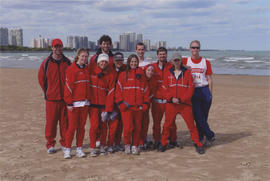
column 218, row 24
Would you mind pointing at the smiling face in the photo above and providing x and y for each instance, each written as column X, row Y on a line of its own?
column 105, row 46
column 149, row 72
column 162, row 56
column 83, row 58
column 57, row 50
column 102, row 64
column 133, row 63
column 140, row 51
column 195, row 49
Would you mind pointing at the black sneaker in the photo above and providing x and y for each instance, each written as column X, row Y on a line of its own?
column 199, row 150
column 161, row 148
column 173, row 144
column 211, row 140
column 156, row 144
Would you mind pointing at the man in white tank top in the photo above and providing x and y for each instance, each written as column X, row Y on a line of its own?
column 202, row 98
column 140, row 49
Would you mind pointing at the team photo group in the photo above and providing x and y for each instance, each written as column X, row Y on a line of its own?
column 120, row 98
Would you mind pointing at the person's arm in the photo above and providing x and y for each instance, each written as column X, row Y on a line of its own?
column 210, row 83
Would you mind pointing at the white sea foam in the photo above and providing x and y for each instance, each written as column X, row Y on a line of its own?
column 230, row 60
column 253, row 61
column 241, row 58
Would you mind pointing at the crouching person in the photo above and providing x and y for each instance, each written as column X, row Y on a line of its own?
column 178, row 89
column 77, row 96
column 132, row 96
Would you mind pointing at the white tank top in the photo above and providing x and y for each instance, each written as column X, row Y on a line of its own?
column 198, row 72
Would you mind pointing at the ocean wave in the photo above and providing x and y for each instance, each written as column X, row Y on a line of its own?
column 240, row 58
column 253, row 61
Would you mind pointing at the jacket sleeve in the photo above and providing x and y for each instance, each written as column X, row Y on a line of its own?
column 119, row 90
column 69, row 86
column 165, row 88
column 190, row 90
column 111, row 94
column 41, row 76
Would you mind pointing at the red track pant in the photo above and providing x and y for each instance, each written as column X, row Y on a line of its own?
column 158, row 110
column 132, row 122
column 77, row 119
column 119, row 130
column 171, row 110
column 55, row 111
column 97, row 126
column 145, row 125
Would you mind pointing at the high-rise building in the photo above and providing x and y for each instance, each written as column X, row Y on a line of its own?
column 124, row 42
column 91, row 45
column 116, row 45
column 139, row 38
column 15, row 37
column 147, row 45
column 161, row 44
column 3, row 36
column 70, row 42
column 40, row 42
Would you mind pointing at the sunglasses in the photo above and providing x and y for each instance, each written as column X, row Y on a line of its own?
column 195, row 48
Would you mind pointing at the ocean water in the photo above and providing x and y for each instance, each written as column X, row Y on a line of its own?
column 223, row 62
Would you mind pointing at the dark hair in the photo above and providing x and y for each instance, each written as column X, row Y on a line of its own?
column 105, row 38
column 79, row 51
column 161, row 49
column 128, row 63
column 140, row 44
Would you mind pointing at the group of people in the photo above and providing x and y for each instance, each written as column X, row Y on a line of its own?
column 118, row 98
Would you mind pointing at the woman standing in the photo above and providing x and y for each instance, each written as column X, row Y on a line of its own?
column 77, row 95
column 132, row 96
column 178, row 90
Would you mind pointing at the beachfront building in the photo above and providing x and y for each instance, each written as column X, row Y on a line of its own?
column 91, row 45
column 128, row 41
column 15, row 36
column 40, row 42
column 116, row 45
column 139, row 38
column 161, row 44
column 76, row 42
column 3, row 36
column 147, row 44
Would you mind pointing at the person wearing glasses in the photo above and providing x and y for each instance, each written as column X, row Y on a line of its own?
column 202, row 98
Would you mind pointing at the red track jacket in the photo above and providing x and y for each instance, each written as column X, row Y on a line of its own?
column 132, row 89
column 181, row 88
column 51, row 77
column 77, row 84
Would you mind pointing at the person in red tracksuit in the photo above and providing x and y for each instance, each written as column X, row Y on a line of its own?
column 159, row 101
column 101, row 82
column 105, row 43
column 77, row 97
column 178, row 89
column 117, row 68
column 51, row 77
column 152, row 83
column 132, row 96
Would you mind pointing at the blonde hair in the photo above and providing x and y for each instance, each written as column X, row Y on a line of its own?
column 195, row 41
column 80, row 51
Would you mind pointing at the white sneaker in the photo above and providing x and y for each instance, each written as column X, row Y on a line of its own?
column 93, row 152
column 80, row 153
column 127, row 149
column 97, row 144
column 102, row 150
column 67, row 153
column 135, row 150
column 51, row 150
column 110, row 149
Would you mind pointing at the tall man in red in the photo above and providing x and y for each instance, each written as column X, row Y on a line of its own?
column 159, row 100
column 51, row 78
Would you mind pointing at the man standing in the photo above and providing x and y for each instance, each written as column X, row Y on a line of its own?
column 159, row 100
column 140, row 50
column 202, row 98
column 51, row 78
column 105, row 43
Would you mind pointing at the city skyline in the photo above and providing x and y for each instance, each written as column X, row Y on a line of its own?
column 224, row 24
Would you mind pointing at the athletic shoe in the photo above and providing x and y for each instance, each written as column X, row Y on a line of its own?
column 173, row 144
column 162, row 148
column 93, row 152
column 110, row 149
column 102, row 150
column 135, row 150
column 97, row 144
column 80, row 153
column 199, row 149
column 118, row 148
column 63, row 148
column 67, row 153
column 51, row 150
column 156, row 144
column 127, row 149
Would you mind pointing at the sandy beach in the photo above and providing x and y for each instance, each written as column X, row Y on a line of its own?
column 240, row 116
